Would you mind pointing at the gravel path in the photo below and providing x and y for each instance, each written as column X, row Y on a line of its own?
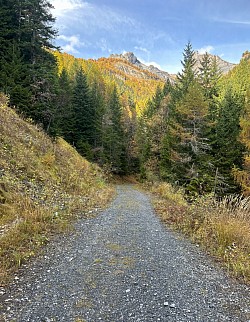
column 124, row 266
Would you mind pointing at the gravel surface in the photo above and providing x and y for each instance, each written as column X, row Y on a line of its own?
column 124, row 265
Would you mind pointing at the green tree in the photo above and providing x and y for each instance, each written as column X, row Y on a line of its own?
column 14, row 78
column 187, row 75
column 98, row 103
column 115, row 139
column 64, row 116
column 83, row 115
column 191, row 148
column 227, row 148
column 209, row 75
column 28, row 26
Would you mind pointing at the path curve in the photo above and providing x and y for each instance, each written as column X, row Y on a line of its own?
column 124, row 265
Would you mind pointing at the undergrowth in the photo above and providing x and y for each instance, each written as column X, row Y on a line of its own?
column 43, row 186
column 222, row 228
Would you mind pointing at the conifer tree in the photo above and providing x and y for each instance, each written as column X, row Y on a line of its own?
column 227, row 147
column 64, row 117
column 28, row 26
column 14, row 78
column 115, row 135
column 209, row 75
column 98, row 103
column 144, row 145
column 187, row 75
column 193, row 109
column 83, row 115
column 167, row 88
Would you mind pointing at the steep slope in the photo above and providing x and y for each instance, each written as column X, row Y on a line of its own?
column 42, row 185
column 133, row 82
column 152, row 70
column 223, row 65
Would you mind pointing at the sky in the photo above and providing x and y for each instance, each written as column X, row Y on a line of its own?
column 156, row 31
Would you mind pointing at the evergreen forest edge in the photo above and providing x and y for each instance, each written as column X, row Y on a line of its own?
column 193, row 133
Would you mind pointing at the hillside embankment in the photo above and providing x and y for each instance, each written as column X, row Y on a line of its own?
column 44, row 184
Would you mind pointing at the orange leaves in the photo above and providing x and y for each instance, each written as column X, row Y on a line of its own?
column 133, row 83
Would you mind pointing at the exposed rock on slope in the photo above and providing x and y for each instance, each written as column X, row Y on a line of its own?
column 133, row 60
column 223, row 65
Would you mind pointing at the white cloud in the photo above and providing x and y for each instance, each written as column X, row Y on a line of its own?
column 154, row 64
column 61, row 7
column 103, row 44
column 145, row 50
column 72, row 43
column 205, row 49
column 150, row 63
column 82, row 14
column 232, row 21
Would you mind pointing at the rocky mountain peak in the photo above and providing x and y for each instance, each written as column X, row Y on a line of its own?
column 246, row 55
column 129, row 56
column 223, row 65
column 132, row 59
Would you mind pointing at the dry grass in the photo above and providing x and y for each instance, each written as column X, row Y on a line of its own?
column 222, row 228
column 43, row 186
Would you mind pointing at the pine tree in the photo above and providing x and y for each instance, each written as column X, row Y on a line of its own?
column 98, row 103
column 115, row 135
column 209, row 75
column 130, row 124
column 187, row 76
column 83, row 115
column 144, row 145
column 14, row 78
column 28, row 26
column 64, row 117
column 227, row 148
column 167, row 88
column 193, row 109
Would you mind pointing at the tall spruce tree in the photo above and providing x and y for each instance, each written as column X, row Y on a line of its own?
column 64, row 116
column 227, row 148
column 28, row 26
column 189, row 145
column 14, row 78
column 115, row 135
column 98, row 103
column 209, row 75
column 83, row 115
column 187, row 75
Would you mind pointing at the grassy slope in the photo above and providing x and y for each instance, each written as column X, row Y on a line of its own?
column 223, row 229
column 43, row 185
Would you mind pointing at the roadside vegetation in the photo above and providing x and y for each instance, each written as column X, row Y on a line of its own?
column 193, row 133
column 220, row 227
column 44, row 184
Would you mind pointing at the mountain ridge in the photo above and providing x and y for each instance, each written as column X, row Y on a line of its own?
column 132, row 59
column 223, row 65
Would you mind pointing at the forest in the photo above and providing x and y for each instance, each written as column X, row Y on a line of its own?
column 194, row 133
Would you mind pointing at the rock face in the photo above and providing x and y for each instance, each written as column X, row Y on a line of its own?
column 246, row 55
column 132, row 59
column 156, row 73
column 223, row 65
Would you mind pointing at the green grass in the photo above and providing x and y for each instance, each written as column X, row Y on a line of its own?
column 222, row 228
column 44, row 185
